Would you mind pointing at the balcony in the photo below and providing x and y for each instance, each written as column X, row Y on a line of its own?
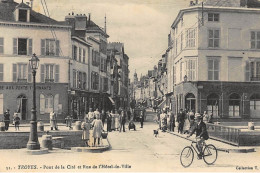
column 22, row 80
column 49, row 80
column 255, row 78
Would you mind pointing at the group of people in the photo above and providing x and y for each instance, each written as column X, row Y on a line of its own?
column 166, row 119
column 16, row 120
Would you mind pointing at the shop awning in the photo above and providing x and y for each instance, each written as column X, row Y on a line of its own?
column 112, row 101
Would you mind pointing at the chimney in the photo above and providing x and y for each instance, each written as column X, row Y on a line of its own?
column 31, row 4
column 191, row 3
column 89, row 15
column 80, row 22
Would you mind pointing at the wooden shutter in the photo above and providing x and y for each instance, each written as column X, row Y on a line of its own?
column 14, row 72
column 42, row 73
column 42, row 104
column 1, row 45
column 57, row 73
column 30, row 43
column 56, row 103
column 1, row 72
column 15, row 46
column 43, row 52
column 29, row 74
column 247, row 71
column 57, row 47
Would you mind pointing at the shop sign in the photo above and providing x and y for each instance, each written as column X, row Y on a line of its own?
column 23, row 87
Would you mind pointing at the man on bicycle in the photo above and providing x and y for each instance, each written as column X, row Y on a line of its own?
column 201, row 133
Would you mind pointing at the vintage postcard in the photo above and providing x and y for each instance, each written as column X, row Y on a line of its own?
column 129, row 86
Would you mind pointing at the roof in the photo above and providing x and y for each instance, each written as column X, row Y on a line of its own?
column 116, row 45
column 222, row 3
column 7, row 9
column 93, row 27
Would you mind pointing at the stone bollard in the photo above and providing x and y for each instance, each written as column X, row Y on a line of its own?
column 40, row 126
column 2, row 126
column 251, row 126
column 47, row 141
column 78, row 125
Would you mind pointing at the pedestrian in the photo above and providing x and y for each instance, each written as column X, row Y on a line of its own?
column 168, row 121
column 7, row 119
column 128, row 114
column 96, row 113
column 172, row 121
column 181, row 119
column 186, row 126
column 163, row 120
column 123, row 120
column 103, row 116
column 109, row 120
column 16, row 121
column 91, row 115
column 142, row 118
column 56, row 121
column 86, row 126
column 158, row 117
column 210, row 119
column 205, row 117
column 113, row 127
column 97, row 129
column 117, row 121
column 52, row 120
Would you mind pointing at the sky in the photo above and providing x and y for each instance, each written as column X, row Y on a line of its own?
column 142, row 25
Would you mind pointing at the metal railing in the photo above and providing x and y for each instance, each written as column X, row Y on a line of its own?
column 224, row 133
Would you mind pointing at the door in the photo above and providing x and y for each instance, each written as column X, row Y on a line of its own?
column 190, row 102
column 24, row 109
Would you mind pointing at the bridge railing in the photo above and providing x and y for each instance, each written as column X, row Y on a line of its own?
column 224, row 133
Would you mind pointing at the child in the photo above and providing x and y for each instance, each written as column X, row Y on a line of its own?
column 85, row 135
column 16, row 122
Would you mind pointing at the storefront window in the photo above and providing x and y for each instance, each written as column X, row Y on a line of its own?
column 213, row 105
column 234, row 105
column 255, row 106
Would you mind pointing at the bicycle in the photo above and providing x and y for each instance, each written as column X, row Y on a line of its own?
column 209, row 154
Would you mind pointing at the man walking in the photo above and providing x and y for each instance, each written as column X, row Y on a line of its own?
column 181, row 119
column 7, row 119
column 141, row 118
column 123, row 119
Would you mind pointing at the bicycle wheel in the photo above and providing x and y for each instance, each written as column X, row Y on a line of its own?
column 187, row 156
column 210, row 154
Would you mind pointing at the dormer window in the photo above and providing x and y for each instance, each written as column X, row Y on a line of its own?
column 22, row 15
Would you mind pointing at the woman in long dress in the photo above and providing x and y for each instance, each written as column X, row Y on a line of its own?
column 112, row 120
column 97, row 129
column 85, row 134
column 117, row 121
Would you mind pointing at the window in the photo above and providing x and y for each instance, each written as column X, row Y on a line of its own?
column 214, row 38
column 20, row 72
column 1, row 72
column 255, row 71
column 191, row 38
column 94, row 80
column 174, row 75
column 247, row 72
column 103, row 47
column 1, row 45
column 213, row 69
column 95, row 58
column 101, row 64
column 181, row 71
column 22, row 46
column 105, row 85
column 213, row 17
column 255, row 106
column 181, row 41
column 80, row 53
column 84, row 56
column 22, row 15
column 50, row 47
column 255, row 39
column 74, row 78
column 234, row 105
column 191, row 70
column 49, row 73
column 213, row 105
column 48, row 103
column 84, row 81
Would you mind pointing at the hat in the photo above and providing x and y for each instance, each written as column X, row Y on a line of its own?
column 198, row 116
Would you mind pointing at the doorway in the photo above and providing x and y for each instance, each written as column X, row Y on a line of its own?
column 190, row 102
column 22, row 106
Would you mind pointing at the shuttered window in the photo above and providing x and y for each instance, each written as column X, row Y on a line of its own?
column 42, row 73
column 1, row 45
column 42, row 104
column 14, row 72
column 1, row 72
column 57, row 73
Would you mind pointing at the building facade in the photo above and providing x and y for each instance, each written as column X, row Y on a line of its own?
column 215, row 61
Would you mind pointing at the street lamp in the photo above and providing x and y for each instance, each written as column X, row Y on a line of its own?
column 33, row 143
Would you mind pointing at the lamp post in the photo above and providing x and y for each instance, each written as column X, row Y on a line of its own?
column 33, row 143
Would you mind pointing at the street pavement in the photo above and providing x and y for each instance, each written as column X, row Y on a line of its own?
column 131, row 151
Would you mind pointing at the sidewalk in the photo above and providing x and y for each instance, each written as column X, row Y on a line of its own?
column 221, row 146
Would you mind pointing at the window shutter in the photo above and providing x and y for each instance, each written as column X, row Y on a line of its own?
column 1, row 72
column 42, row 104
column 42, row 73
column 247, row 72
column 14, row 72
column 43, row 47
column 30, row 46
column 1, row 45
column 57, row 47
column 15, row 46
column 29, row 74
column 56, row 103
column 57, row 72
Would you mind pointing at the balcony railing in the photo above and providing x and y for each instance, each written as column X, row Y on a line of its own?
column 255, row 78
column 22, row 80
column 49, row 80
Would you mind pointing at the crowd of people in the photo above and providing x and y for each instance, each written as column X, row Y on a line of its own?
column 185, row 120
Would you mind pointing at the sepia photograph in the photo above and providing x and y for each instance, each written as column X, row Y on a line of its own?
column 129, row 86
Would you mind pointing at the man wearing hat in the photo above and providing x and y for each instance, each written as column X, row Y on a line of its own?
column 7, row 119
column 201, row 133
